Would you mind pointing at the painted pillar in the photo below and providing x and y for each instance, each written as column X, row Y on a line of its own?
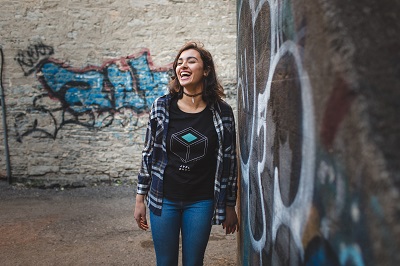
column 319, row 132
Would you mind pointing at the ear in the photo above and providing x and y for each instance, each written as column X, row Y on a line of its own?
column 206, row 72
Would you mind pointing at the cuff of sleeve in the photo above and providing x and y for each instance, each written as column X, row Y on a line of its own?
column 231, row 203
column 142, row 190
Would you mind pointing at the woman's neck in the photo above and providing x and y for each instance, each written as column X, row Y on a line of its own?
column 193, row 95
column 190, row 104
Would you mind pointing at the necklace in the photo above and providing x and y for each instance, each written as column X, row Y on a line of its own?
column 192, row 95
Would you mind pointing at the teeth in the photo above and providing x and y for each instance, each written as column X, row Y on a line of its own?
column 185, row 74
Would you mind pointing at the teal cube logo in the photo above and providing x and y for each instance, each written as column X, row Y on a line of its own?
column 189, row 145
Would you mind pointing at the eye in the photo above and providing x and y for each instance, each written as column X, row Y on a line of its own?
column 179, row 63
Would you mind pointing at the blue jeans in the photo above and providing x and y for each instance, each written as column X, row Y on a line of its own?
column 193, row 219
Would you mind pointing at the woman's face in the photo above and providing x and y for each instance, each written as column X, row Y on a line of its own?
column 190, row 69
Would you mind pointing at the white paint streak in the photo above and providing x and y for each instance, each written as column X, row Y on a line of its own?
column 355, row 212
column 295, row 216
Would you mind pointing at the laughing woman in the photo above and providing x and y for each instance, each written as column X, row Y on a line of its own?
column 189, row 169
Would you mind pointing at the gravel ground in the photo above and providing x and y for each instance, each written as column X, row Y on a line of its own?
column 83, row 226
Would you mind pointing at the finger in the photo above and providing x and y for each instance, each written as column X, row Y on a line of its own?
column 143, row 226
column 235, row 228
column 139, row 223
column 143, row 223
column 228, row 230
column 232, row 230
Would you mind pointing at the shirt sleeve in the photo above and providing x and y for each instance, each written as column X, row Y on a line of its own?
column 231, row 156
column 144, row 177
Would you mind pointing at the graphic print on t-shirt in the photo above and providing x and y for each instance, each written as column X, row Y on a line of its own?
column 189, row 145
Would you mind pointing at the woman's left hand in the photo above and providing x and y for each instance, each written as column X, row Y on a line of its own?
column 231, row 222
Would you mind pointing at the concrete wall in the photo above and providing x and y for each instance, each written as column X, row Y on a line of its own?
column 318, row 104
column 79, row 77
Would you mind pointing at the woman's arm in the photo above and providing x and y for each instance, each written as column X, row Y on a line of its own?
column 140, row 212
column 230, row 152
column 231, row 221
column 144, row 177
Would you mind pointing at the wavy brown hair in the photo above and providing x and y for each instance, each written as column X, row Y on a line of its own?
column 212, row 88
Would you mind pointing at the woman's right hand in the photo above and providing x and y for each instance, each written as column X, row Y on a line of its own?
column 140, row 212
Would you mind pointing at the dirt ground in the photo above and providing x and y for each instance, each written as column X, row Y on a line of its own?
column 83, row 226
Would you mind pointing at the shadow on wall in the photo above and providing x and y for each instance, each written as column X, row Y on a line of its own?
column 91, row 96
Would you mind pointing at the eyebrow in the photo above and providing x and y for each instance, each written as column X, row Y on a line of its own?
column 190, row 57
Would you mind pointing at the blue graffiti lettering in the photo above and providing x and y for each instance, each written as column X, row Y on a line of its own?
column 126, row 83
column 108, row 88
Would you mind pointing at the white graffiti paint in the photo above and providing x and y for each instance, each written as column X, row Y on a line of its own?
column 327, row 175
column 294, row 216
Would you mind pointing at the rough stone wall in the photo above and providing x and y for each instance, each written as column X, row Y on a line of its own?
column 79, row 77
column 318, row 118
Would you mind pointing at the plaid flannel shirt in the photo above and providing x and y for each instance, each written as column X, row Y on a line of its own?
column 154, row 158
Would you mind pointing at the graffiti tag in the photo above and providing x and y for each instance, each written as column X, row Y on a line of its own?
column 31, row 56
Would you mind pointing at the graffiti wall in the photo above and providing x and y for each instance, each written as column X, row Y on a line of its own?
column 91, row 97
column 319, row 185
column 79, row 79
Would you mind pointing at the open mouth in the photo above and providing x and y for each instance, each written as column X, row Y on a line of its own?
column 185, row 74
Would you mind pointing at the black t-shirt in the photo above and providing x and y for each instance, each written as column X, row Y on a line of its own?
column 191, row 147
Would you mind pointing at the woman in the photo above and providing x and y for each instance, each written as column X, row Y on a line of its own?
column 189, row 169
